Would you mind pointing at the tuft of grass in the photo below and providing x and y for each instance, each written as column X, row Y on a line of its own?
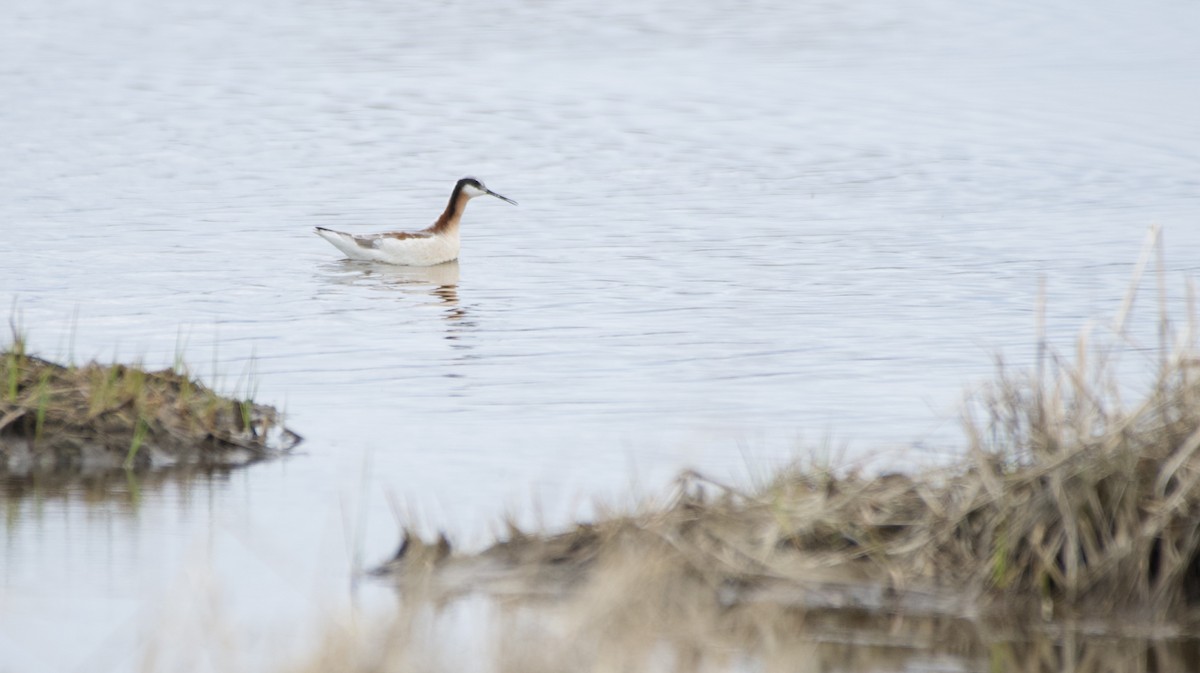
column 14, row 361
column 123, row 416
column 139, row 437
column 43, row 403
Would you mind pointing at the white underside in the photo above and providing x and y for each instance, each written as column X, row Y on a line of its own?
column 423, row 251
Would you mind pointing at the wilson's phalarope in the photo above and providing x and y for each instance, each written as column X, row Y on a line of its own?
column 437, row 244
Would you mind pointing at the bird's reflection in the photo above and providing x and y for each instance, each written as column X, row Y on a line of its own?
column 439, row 281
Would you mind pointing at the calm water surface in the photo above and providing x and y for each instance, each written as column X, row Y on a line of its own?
column 744, row 230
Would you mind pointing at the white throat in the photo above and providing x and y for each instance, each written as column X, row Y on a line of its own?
column 472, row 191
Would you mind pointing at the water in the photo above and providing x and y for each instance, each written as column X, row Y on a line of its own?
column 743, row 231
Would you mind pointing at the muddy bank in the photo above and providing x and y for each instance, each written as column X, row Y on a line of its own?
column 60, row 419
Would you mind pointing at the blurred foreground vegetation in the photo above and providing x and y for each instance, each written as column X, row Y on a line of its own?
column 1069, row 526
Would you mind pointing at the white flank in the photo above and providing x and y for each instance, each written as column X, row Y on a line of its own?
column 425, row 250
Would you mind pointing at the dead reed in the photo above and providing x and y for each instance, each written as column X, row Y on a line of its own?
column 1068, row 504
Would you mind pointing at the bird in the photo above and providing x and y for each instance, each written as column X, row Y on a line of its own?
column 433, row 245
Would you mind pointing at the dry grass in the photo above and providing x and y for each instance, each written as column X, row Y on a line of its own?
column 55, row 418
column 1070, row 512
column 1057, row 526
column 1066, row 505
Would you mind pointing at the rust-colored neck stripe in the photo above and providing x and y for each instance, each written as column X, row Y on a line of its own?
column 454, row 211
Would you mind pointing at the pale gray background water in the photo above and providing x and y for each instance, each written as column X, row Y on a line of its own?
column 745, row 229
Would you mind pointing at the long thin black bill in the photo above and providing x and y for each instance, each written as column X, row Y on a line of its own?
column 502, row 198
